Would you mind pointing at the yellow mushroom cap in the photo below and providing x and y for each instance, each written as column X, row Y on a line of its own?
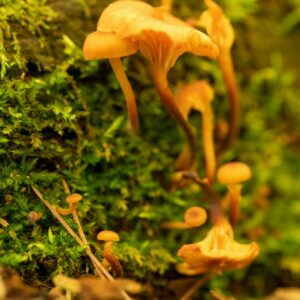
column 100, row 45
column 108, row 236
column 195, row 216
column 233, row 173
column 73, row 198
column 160, row 37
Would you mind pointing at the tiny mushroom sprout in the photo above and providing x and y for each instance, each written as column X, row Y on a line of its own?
column 72, row 200
column 127, row 26
column 198, row 96
column 217, row 252
column 233, row 175
column 195, row 216
column 222, row 33
column 109, row 237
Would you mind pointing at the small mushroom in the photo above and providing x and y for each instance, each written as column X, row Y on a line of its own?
column 99, row 45
column 72, row 200
column 195, row 216
column 109, row 237
column 198, row 95
column 233, row 175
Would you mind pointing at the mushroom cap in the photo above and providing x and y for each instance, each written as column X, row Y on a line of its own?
column 233, row 173
column 217, row 25
column 73, row 198
column 162, row 38
column 108, row 236
column 195, row 216
column 217, row 252
column 195, row 95
column 100, row 45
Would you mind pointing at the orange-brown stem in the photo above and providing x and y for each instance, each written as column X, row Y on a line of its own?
column 117, row 67
column 167, row 3
column 227, row 69
column 208, row 142
column 167, row 97
column 175, row 225
column 114, row 263
column 235, row 201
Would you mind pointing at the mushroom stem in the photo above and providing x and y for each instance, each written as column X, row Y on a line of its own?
column 117, row 67
column 167, row 97
column 216, row 210
column 235, row 196
column 208, row 142
column 174, row 225
column 64, row 211
column 167, row 3
column 227, row 69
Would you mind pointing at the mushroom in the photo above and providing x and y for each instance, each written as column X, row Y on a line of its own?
column 72, row 200
column 198, row 96
column 160, row 37
column 221, row 32
column 99, row 45
column 109, row 237
column 195, row 216
column 217, row 252
column 233, row 175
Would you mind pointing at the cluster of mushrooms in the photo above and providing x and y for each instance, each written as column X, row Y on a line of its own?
column 124, row 28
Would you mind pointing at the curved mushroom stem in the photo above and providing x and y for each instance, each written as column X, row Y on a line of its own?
column 208, row 142
column 216, row 210
column 117, row 67
column 235, row 196
column 167, row 97
column 174, row 225
column 114, row 263
column 227, row 69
